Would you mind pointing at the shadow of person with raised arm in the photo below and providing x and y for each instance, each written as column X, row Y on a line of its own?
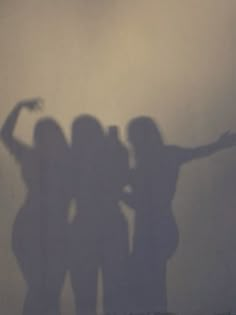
column 39, row 236
column 153, row 185
column 99, row 236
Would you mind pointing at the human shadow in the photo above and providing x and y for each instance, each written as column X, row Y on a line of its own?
column 39, row 236
column 98, row 233
column 153, row 182
column 95, row 171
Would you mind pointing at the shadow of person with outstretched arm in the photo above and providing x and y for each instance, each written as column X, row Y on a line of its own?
column 153, row 184
column 39, row 236
column 99, row 236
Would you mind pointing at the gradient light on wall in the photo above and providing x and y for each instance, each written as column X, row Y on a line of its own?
column 173, row 60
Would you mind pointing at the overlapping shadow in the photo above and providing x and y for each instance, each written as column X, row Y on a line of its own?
column 99, row 236
column 95, row 172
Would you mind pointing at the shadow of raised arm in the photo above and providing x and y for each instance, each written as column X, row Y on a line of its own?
column 14, row 145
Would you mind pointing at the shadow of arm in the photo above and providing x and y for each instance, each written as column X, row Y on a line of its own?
column 7, row 133
column 225, row 141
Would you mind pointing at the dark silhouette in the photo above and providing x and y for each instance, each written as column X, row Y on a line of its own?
column 99, row 237
column 39, row 237
column 153, row 183
column 95, row 171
